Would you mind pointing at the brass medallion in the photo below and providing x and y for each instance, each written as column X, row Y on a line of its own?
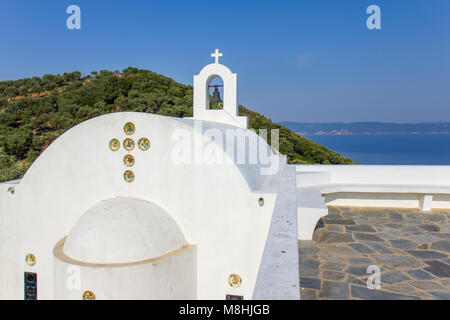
column 114, row 144
column 128, row 176
column 128, row 144
column 144, row 144
column 128, row 160
column 129, row 128
column 88, row 295
column 234, row 280
column 30, row 259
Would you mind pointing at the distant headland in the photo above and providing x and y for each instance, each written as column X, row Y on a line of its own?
column 348, row 128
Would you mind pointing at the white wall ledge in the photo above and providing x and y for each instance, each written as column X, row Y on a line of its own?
column 421, row 187
column 384, row 188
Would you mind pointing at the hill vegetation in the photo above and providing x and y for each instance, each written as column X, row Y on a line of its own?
column 35, row 111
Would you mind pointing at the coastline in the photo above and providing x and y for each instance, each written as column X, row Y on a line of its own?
column 320, row 133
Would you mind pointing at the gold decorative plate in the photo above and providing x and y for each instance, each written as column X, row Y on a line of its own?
column 30, row 259
column 114, row 144
column 128, row 144
column 88, row 295
column 144, row 144
column 128, row 160
column 129, row 128
column 234, row 280
column 128, row 176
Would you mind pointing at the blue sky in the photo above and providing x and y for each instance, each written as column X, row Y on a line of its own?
column 303, row 60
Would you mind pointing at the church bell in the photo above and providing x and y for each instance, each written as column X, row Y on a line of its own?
column 216, row 95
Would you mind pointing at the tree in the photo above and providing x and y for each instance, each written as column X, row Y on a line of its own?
column 29, row 124
column 10, row 168
column 18, row 142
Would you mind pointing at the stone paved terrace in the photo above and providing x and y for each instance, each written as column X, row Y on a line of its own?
column 411, row 248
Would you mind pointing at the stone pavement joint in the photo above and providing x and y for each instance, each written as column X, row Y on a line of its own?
column 410, row 247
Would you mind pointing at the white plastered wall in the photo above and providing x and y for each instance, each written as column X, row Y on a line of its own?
column 229, row 113
column 213, row 204
column 170, row 277
column 401, row 186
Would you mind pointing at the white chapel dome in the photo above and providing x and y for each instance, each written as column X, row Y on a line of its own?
column 122, row 230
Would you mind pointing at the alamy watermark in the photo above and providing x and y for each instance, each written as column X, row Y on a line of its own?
column 374, row 20
column 374, row 280
column 225, row 147
column 74, row 20
column 74, row 277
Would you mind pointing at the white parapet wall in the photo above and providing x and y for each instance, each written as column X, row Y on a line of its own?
column 382, row 174
column 319, row 186
column 224, row 208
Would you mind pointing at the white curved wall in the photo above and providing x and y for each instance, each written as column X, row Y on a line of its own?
column 170, row 277
column 209, row 202
column 121, row 230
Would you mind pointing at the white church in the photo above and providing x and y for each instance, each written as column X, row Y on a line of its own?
column 133, row 205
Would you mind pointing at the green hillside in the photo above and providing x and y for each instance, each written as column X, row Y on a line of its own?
column 35, row 111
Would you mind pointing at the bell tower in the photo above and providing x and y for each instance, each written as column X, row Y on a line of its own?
column 229, row 113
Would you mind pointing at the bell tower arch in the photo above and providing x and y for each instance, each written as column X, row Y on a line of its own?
column 229, row 113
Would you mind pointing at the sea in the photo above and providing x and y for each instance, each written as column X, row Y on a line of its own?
column 394, row 149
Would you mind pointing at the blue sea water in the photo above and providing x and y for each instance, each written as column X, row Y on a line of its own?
column 402, row 149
